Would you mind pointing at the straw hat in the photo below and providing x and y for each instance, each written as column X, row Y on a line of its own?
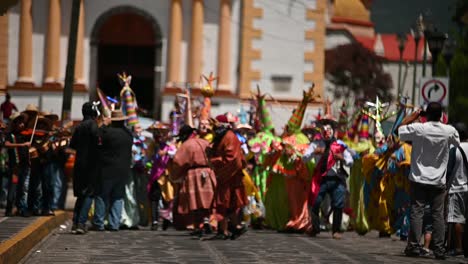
column 158, row 126
column 31, row 108
column 16, row 116
column 243, row 126
column 49, row 115
column 117, row 115
column 44, row 123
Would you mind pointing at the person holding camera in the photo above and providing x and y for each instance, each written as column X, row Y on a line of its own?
column 429, row 159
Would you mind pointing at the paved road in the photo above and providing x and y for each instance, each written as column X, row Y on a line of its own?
column 144, row 246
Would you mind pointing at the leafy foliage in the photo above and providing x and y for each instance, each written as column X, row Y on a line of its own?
column 356, row 71
column 458, row 97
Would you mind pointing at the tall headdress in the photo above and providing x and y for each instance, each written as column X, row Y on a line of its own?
column 128, row 99
column 376, row 112
column 207, row 92
column 364, row 129
column 343, row 121
column 263, row 113
column 104, row 102
column 295, row 122
column 402, row 106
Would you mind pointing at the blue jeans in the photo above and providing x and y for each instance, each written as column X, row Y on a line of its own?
column 22, row 189
column 80, row 212
column 110, row 199
column 337, row 191
column 54, row 179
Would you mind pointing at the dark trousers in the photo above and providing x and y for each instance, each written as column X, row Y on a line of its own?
column 335, row 187
column 18, row 189
column 422, row 194
column 39, row 195
column 80, row 212
column 155, row 197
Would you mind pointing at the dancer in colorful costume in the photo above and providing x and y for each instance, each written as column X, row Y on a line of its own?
column 329, row 175
column 191, row 168
column 358, row 140
column 385, row 172
column 290, row 177
column 131, row 207
column 228, row 162
column 159, row 187
column 261, row 145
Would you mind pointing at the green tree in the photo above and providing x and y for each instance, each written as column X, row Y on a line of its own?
column 357, row 71
column 459, row 67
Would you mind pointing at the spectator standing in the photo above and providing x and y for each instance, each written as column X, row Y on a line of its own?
column 18, row 164
column 429, row 159
column 85, row 172
column 7, row 108
column 457, row 185
column 115, row 165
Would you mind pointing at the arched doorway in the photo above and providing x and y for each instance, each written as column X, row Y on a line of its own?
column 126, row 39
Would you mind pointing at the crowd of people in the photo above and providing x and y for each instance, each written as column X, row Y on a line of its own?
column 228, row 174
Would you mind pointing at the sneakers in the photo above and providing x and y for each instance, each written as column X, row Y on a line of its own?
column 48, row 213
column 81, row 229
column 96, row 228
column 207, row 229
column 412, row 251
column 336, row 236
column 73, row 229
column 166, row 224
column 424, row 252
column 439, row 255
column 154, row 226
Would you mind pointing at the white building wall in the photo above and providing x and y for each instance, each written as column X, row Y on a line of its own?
column 210, row 38
column 235, row 40
column 335, row 39
column 13, row 44
column 282, row 45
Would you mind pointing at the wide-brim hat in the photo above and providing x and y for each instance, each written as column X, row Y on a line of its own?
column 158, row 126
column 51, row 116
column 117, row 115
column 44, row 123
column 16, row 116
column 243, row 127
column 31, row 108
column 327, row 121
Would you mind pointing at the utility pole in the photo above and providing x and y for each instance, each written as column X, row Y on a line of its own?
column 71, row 58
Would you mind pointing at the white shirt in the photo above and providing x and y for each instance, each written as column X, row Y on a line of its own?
column 460, row 172
column 430, row 152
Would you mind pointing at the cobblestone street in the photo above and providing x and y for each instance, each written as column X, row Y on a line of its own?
column 144, row 246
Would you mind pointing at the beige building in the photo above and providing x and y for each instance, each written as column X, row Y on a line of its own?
column 167, row 44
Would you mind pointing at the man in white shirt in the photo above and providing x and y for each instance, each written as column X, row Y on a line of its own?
column 429, row 158
column 457, row 185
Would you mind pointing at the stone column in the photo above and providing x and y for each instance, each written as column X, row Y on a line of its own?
column 53, row 43
column 224, row 45
column 79, row 77
column 196, row 44
column 175, row 38
column 25, row 73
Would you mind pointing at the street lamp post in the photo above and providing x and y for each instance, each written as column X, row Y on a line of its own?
column 401, row 47
column 435, row 40
column 417, row 37
column 448, row 51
